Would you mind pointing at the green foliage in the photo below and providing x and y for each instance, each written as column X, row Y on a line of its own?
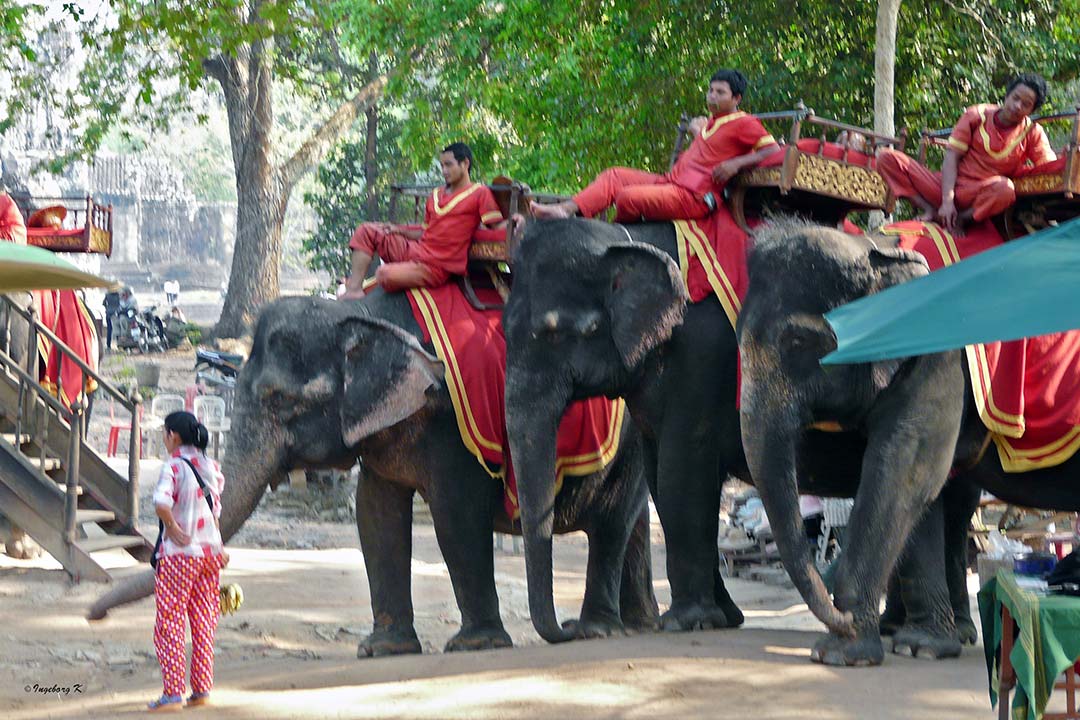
column 194, row 333
column 340, row 198
column 553, row 92
column 16, row 53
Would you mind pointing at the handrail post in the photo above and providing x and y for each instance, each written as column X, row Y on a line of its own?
column 134, row 451
column 71, row 505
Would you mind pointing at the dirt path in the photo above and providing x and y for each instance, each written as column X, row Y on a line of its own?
column 291, row 651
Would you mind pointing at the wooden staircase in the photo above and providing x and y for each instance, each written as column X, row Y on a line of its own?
column 52, row 484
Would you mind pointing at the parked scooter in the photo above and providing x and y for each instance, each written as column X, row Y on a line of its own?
column 217, row 369
column 142, row 330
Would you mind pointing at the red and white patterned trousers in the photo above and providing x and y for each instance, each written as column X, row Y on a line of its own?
column 186, row 586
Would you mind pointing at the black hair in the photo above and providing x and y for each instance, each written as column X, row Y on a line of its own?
column 190, row 430
column 1033, row 81
column 735, row 80
column 461, row 152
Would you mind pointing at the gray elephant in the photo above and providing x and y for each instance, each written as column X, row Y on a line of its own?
column 600, row 309
column 907, row 423
column 330, row 382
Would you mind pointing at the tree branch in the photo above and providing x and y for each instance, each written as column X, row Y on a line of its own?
column 323, row 138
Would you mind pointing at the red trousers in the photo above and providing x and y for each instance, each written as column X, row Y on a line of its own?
column 399, row 269
column 186, row 587
column 639, row 195
column 907, row 179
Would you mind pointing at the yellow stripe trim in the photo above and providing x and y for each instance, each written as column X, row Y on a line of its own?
column 470, row 436
column 708, row 130
column 454, row 200
column 493, row 216
column 1009, row 146
column 961, row 146
column 699, row 247
column 765, row 142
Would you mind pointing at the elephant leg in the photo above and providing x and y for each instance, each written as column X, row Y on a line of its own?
column 688, row 501
column 893, row 617
column 609, row 527
column 961, row 500
column 637, row 600
column 904, row 468
column 384, row 519
column 929, row 629
column 463, row 502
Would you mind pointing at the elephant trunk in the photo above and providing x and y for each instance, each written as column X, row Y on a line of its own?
column 252, row 462
column 532, row 432
column 769, row 440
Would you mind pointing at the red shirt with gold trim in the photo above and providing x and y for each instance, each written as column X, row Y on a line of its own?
column 449, row 224
column 987, row 149
column 12, row 227
column 723, row 137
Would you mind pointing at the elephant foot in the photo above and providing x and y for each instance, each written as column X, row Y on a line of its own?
column 638, row 624
column 486, row 638
column 890, row 622
column 966, row 631
column 389, row 642
column 861, row 650
column 593, row 627
column 921, row 642
column 684, row 618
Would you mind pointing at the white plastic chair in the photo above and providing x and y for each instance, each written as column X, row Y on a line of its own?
column 210, row 411
column 160, row 408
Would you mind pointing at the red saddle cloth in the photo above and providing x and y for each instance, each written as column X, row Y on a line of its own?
column 1027, row 391
column 62, row 312
column 472, row 346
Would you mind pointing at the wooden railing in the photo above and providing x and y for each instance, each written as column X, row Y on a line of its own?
column 32, row 395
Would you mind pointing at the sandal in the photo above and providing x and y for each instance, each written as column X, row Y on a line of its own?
column 197, row 699
column 166, row 703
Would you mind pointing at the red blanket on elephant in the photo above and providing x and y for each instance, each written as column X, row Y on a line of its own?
column 64, row 313
column 712, row 259
column 471, row 345
column 1027, row 391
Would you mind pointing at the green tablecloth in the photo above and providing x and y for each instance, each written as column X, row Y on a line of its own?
column 1047, row 640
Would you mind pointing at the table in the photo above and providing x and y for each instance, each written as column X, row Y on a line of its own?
column 1039, row 639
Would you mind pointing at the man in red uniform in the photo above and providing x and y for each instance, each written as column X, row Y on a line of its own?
column 988, row 145
column 426, row 256
column 12, row 227
column 721, row 146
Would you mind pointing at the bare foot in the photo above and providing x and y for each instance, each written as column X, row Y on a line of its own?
column 352, row 295
column 549, row 212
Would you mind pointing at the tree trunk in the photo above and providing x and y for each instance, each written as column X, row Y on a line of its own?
column 885, row 67
column 371, row 168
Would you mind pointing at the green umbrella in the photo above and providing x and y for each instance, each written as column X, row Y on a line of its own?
column 25, row 267
column 1023, row 288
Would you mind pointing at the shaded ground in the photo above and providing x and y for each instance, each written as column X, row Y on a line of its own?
column 291, row 650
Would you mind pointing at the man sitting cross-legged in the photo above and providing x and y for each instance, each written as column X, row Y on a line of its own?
column 987, row 147
column 427, row 256
column 721, row 145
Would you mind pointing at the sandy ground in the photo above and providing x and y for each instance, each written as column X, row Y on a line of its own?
column 291, row 650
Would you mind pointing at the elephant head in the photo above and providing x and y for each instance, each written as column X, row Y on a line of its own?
column 782, row 337
column 587, row 308
column 322, row 377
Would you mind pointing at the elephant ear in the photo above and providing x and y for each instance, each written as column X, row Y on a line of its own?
column 386, row 375
column 893, row 265
column 646, row 298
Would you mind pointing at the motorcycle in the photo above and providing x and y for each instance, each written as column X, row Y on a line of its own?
column 217, row 369
column 140, row 329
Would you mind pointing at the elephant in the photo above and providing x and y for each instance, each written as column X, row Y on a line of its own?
column 330, row 382
column 601, row 309
column 909, row 424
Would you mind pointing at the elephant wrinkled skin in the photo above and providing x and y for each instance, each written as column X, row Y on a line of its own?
column 910, row 421
column 330, row 382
